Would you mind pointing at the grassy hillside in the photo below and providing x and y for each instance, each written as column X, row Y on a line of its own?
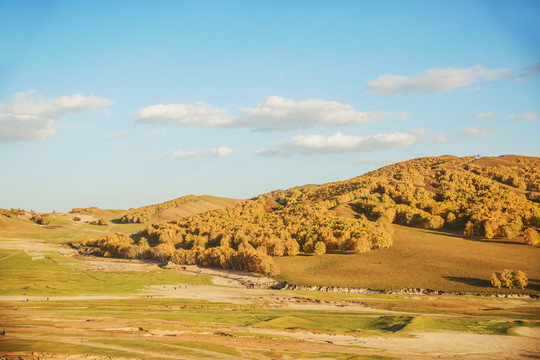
column 201, row 204
column 419, row 258
column 172, row 209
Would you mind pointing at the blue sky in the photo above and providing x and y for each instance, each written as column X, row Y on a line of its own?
column 120, row 104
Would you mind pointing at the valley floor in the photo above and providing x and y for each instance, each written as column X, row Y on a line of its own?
column 56, row 305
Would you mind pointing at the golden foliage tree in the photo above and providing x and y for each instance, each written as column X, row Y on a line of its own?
column 530, row 236
column 509, row 279
column 319, row 248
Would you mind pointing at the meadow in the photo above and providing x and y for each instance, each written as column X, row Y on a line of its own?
column 419, row 258
column 57, row 305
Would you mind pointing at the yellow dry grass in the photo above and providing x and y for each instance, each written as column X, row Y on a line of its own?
column 419, row 259
column 204, row 203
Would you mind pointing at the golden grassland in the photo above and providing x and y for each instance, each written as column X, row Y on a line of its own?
column 203, row 203
column 419, row 258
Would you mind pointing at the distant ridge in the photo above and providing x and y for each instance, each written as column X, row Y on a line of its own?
column 179, row 207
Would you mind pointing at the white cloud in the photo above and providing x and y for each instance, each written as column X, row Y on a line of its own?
column 484, row 115
column 434, row 80
column 339, row 143
column 220, row 152
column 423, row 134
column 119, row 135
column 199, row 115
column 403, row 116
column 440, row 138
column 277, row 113
column 526, row 116
column 29, row 117
column 479, row 132
column 419, row 131
column 25, row 127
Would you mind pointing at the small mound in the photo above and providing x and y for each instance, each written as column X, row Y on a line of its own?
column 17, row 225
column 203, row 203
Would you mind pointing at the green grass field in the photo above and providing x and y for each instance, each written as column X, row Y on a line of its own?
column 173, row 328
column 60, row 275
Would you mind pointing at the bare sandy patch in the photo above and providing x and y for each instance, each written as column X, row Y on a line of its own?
column 528, row 331
column 460, row 345
column 231, row 277
column 95, row 263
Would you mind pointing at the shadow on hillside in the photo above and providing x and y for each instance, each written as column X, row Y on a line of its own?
column 445, row 232
column 495, row 241
column 469, row 281
column 116, row 221
column 459, row 234
column 534, row 284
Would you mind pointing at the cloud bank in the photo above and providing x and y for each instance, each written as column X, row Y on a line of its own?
column 30, row 117
column 220, row 152
column 435, row 80
column 275, row 113
column 526, row 116
column 339, row 144
column 477, row 132
column 199, row 115
column 484, row 115
column 119, row 135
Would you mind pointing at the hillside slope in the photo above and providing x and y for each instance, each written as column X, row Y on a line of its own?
column 173, row 209
column 444, row 193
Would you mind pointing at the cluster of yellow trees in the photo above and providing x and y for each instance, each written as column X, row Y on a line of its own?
column 437, row 194
column 88, row 210
column 143, row 214
column 509, row 279
column 247, row 235
column 41, row 219
column 525, row 175
column 12, row 212
column 432, row 193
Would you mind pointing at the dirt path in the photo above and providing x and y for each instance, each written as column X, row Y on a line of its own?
column 11, row 255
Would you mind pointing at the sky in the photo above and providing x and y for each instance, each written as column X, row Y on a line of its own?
column 121, row 104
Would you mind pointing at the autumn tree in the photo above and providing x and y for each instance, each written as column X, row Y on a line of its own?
column 469, row 229
column 291, row 247
column 530, row 236
column 320, row 248
column 308, row 247
column 360, row 244
column 509, row 279
column 512, row 229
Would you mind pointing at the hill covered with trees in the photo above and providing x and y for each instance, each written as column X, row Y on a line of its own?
column 486, row 197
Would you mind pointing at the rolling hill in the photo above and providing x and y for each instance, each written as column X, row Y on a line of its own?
column 172, row 209
column 490, row 200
